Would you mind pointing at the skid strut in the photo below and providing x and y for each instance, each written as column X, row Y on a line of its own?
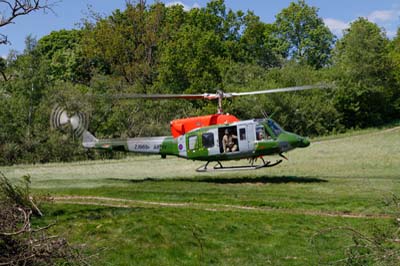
column 220, row 167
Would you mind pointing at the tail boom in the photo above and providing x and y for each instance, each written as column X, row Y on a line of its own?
column 150, row 145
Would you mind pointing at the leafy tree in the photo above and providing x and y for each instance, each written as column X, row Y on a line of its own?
column 303, row 35
column 190, row 62
column 193, row 59
column 364, row 74
column 215, row 17
column 3, row 67
column 25, row 111
column 259, row 42
column 125, row 44
column 58, row 40
column 62, row 52
column 362, row 53
column 394, row 55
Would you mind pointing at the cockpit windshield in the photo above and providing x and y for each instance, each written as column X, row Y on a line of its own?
column 275, row 127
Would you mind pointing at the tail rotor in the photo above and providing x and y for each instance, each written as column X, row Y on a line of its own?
column 61, row 119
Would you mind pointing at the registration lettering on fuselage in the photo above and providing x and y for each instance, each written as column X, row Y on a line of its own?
column 143, row 147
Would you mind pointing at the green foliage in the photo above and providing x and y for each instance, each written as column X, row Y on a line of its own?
column 3, row 68
column 16, row 194
column 361, row 54
column 190, row 63
column 159, row 49
column 304, row 35
column 259, row 43
column 126, row 43
column 394, row 56
column 362, row 106
column 308, row 113
column 364, row 75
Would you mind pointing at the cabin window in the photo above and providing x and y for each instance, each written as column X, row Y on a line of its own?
column 242, row 134
column 192, row 142
column 208, row 140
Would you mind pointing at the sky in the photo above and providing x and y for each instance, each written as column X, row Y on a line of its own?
column 68, row 14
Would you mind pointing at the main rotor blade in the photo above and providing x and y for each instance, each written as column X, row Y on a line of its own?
column 209, row 96
column 298, row 88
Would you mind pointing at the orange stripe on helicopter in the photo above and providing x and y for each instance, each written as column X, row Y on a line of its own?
column 182, row 126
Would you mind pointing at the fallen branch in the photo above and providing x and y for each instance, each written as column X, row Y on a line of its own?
column 20, row 243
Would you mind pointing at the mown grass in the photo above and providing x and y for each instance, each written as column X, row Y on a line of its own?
column 169, row 236
column 355, row 174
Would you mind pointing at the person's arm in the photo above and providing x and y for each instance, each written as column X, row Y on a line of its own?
column 224, row 143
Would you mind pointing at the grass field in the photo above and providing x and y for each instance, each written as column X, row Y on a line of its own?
column 148, row 211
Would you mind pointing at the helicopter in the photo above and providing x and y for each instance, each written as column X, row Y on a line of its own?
column 210, row 138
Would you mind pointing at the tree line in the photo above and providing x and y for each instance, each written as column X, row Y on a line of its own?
column 166, row 49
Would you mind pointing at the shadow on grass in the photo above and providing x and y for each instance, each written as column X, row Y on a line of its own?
column 231, row 180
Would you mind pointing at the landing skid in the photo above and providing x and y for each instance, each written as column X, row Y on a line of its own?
column 220, row 167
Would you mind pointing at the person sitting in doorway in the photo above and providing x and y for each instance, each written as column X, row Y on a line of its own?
column 228, row 142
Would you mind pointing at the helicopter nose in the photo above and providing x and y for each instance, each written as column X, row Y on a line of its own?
column 304, row 142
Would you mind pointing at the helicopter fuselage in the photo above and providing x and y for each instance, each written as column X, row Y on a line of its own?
column 250, row 139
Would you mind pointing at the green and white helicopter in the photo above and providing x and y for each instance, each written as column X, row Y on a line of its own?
column 212, row 138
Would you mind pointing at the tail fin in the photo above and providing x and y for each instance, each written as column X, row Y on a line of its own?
column 88, row 140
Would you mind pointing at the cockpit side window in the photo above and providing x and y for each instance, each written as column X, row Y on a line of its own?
column 260, row 133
